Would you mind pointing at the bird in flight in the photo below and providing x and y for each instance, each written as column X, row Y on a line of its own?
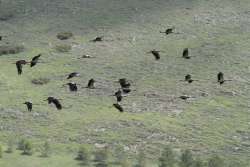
column 28, row 105
column 91, row 84
column 220, row 78
column 73, row 74
column 34, row 60
column 118, row 107
column 118, row 95
column 185, row 97
column 188, row 78
column 124, row 83
column 156, row 54
column 19, row 66
column 54, row 101
column 98, row 39
column 72, row 86
column 185, row 54
column 168, row 31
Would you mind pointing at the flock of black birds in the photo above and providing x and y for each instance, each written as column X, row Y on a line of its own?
column 124, row 83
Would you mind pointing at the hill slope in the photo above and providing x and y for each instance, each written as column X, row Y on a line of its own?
column 216, row 32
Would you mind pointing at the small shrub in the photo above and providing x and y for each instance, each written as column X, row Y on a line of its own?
column 25, row 146
column 83, row 155
column 21, row 143
column 10, row 146
column 167, row 158
column 64, row 35
column 186, row 159
column 141, row 162
column 45, row 152
column 27, row 150
column 63, row 48
column 10, row 49
column 121, row 157
column 1, row 152
column 215, row 161
column 198, row 163
column 124, row 162
column 40, row 81
column 101, row 158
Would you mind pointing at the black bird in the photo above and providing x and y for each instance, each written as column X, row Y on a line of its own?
column 98, row 39
column 189, row 79
column 168, row 31
column 126, row 90
column 156, row 54
column 91, row 84
column 55, row 102
column 34, row 60
column 73, row 74
column 118, row 107
column 29, row 105
column 118, row 95
column 19, row 66
column 185, row 54
column 220, row 78
column 72, row 86
column 87, row 56
column 184, row 97
column 124, row 83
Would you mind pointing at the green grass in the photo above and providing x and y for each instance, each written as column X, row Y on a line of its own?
column 207, row 125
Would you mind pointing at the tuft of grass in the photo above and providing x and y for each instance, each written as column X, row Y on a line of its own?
column 63, row 48
column 64, row 35
column 40, row 81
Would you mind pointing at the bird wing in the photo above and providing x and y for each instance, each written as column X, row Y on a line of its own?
column 57, row 104
column 117, row 106
column 34, row 60
column 36, row 57
column 19, row 68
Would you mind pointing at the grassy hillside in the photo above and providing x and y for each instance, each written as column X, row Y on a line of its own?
column 216, row 121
